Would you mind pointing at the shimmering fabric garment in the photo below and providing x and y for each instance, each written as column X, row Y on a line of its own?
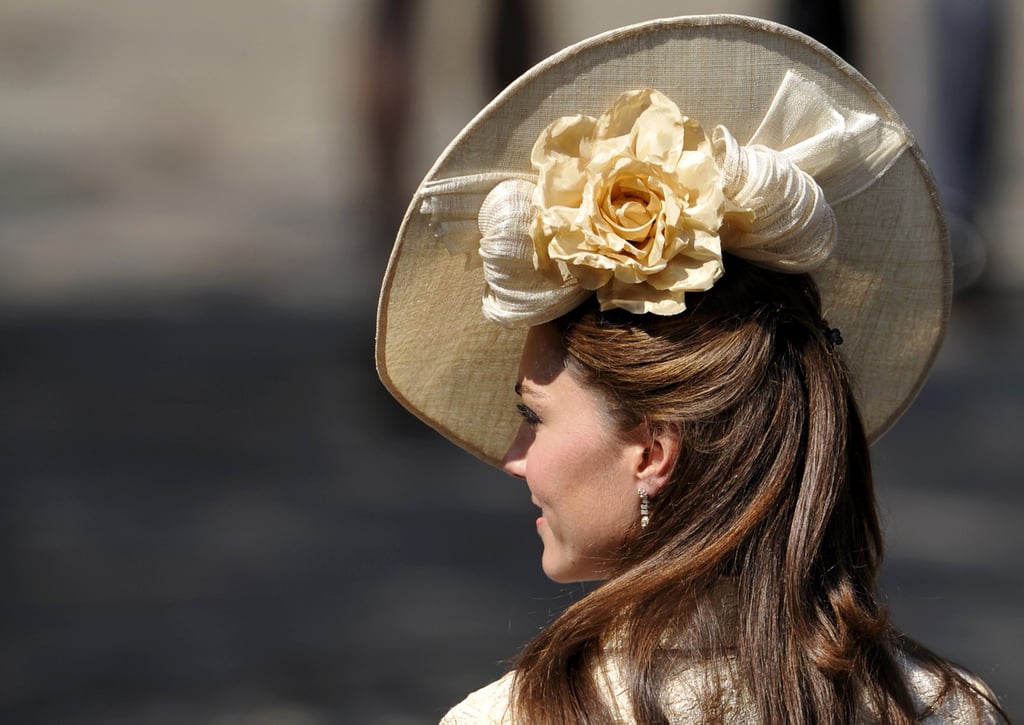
column 682, row 701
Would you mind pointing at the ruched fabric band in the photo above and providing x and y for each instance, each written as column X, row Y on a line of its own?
column 807, row 154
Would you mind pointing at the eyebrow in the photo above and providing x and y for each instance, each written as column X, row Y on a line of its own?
column 525, row 386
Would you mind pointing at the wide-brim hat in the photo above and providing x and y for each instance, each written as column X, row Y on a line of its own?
column 885, row 285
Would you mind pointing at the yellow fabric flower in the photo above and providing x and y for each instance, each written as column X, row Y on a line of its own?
column 630, row 204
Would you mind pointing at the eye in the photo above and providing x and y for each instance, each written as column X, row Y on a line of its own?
column 528, row 415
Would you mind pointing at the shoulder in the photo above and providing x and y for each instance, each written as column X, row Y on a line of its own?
column 968, row 702
column 489, row 704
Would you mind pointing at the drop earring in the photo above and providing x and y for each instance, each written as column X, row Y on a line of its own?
column 645, row 513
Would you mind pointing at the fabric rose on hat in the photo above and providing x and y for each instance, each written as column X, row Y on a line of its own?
column 630, row 204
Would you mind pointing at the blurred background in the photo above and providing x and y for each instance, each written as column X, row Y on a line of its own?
column 212, row 512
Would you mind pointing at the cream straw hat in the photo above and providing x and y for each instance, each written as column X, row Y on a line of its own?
column 810, row 170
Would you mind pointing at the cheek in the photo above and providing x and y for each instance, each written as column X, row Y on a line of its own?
column 582, row 477
column 561, row 469
column 615, row 506
column 590, row 491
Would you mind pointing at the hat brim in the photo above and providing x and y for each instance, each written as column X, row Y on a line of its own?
column 887, row 285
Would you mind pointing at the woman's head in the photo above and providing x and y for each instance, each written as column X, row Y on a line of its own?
column 737, row 418
column 582, row 467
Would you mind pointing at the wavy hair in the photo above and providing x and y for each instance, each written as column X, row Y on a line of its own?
column 772, row 492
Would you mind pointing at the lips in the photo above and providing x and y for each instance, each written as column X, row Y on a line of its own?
column 540, row 519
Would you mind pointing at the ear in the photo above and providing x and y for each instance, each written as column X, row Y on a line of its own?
column 658, row 459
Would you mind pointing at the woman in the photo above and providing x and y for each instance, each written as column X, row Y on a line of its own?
column 693, row 430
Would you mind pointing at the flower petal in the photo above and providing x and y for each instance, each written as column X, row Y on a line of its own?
column 660, row 132
column 640, row 299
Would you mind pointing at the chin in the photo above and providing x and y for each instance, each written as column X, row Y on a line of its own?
column 566, row 575
column 560, row 577
column 558, row 572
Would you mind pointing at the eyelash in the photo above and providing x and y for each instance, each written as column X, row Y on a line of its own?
column 528, row 415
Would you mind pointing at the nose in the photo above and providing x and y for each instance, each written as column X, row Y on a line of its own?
column 514, row 460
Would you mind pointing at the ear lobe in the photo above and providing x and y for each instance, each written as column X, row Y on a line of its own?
column 659, row 460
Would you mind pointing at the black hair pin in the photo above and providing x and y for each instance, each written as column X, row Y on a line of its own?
column 785, row 316
column 831, row 334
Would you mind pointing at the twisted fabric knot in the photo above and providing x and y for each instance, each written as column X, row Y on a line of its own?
column 516, row 293
column 780, row 219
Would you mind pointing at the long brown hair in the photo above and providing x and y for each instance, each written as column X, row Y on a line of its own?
column 772, row 493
